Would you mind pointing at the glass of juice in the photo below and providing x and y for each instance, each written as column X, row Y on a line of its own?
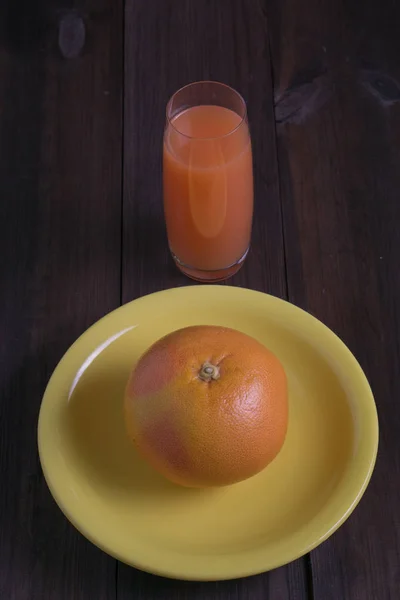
column 208, row 180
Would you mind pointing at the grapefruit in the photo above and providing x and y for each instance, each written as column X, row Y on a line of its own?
column 207, row 406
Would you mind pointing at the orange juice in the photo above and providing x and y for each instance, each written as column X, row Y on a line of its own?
column 208, row 187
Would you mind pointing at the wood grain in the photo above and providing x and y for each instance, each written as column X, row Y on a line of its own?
column 282, row 584
column 60, row 204
column 167, row 45
column 340, row 185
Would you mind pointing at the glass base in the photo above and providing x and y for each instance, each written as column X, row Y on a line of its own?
column 209, row 276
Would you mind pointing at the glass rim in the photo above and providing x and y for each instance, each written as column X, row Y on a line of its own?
column 218, row 83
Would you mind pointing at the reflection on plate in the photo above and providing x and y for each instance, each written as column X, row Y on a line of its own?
column 131, row 512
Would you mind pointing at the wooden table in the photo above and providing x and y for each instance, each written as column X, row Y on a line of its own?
column 83, row 87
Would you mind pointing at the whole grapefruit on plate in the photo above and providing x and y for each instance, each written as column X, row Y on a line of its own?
column 207, row 406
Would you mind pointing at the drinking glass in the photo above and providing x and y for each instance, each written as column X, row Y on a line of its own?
column 208, row 180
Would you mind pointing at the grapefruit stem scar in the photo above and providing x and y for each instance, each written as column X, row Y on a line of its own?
column 208, row 372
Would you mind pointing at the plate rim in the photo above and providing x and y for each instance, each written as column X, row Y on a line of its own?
column 224, row 573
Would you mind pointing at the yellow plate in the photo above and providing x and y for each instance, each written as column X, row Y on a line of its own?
column 132, row 513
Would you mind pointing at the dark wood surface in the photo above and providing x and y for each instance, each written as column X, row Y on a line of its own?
column 83, row 88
